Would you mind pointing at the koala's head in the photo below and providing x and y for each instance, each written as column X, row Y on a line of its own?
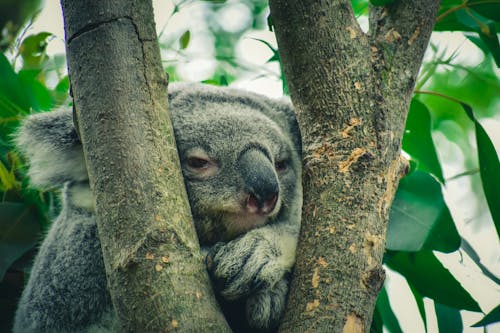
column 240, row 156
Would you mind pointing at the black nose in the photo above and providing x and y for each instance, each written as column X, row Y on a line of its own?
column 260, row 181
column 261, row 205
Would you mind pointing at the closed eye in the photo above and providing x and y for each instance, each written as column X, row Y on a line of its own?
column 198, row 163
column 281, row 165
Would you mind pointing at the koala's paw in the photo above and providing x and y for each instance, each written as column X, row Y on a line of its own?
column 245, row 265
column 265, row 308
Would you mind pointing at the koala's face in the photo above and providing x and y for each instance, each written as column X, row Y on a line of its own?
column 240, row 169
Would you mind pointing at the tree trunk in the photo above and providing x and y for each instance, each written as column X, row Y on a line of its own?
column 156, row 275
column 352, row 92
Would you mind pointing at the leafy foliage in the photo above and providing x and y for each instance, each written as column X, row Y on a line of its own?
column 449, row 319
column 24, row 212
column 454, row 101
column 419, row 218
column 384, row 314
column 427, row 275
column 479, row 16
column 490, row 318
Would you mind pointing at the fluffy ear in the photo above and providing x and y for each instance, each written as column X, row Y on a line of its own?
column 50, row 143
column 283, row 110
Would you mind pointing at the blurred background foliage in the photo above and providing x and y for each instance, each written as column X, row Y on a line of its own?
column 442, row 243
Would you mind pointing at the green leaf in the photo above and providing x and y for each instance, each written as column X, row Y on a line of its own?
column 431, row 279
column 478, row 42
column 485, row 28
column 491, row 40
column 420, row 305
column 449, row 319
column 275, row 56
column 444, row 236
column 360, row 7
column 13, row 16
column 223, row 81
column 489, row 166
column 60, row 92
column 19, row 92
column 417, row 140
column 377, row 324
column 419, row 218
column 19, row 229
column 7, row 178
column 384, row 308
column 490, row 318
column 448, row 20
column 32, row 50
column 469, row 250
column 11, row 90
column 489, row 9
column 381, row 2
column 38, row 95
column 489, row 169
column 184, row 40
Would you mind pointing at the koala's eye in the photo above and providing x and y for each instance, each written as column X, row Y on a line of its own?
column 198, row 163
column 281, row 165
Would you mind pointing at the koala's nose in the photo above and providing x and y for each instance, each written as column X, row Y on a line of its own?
column 263, row 205
column 260, row 180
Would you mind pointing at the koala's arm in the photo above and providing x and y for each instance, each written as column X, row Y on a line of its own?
column 256, row 267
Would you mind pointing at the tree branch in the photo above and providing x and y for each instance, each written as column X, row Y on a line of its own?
column 156, row 275
column 351, row 92
column 399, row 35
column 305, row 30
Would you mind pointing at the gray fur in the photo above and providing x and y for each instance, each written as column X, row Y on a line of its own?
column 251, row 146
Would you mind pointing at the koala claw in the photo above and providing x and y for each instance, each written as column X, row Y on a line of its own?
column 264, row 308
column 243, row 266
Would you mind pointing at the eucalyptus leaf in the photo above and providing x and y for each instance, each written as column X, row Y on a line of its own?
column 489, row 169
column 419, row 218
column 486, row 29
column 13, row 16
column 478, row 42
column 377, row 324
column 489, row 9
column 491, row 41
column 32, row 50
column 387, row 315
column 19, row 229
column 448, row 18
column 184, row 40
column 11, row 90
column 38, row 95
column 449, row 319
column 431, row 279
column 417, row 140
column 420, row 305
column 492, row 317
column 489, row 166
column 381, row 2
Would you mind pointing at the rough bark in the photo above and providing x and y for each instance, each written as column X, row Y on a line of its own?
column 352, row 92
column 156, row 274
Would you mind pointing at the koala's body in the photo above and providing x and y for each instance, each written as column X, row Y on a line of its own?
column 241, row 160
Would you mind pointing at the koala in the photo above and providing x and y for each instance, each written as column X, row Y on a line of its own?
column 240, row 155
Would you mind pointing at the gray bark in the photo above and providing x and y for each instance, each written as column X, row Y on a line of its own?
column 155, row 272
column 352, row 92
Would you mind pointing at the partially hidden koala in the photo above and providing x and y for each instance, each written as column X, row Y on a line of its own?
column 240, row 155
